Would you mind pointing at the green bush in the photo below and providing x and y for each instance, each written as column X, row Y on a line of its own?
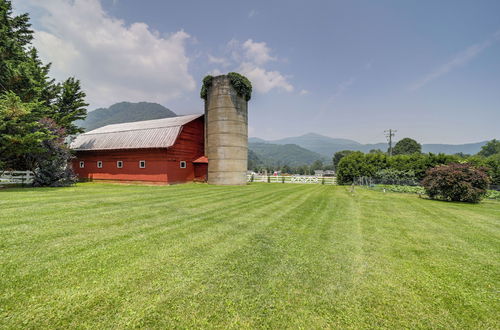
column 241, row 84
column 357, row 164
column 353, row 166
column 207, row 83
column 456, row 182
column 390, row 175
column 492, row 194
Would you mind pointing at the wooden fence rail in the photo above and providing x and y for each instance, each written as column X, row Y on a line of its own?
column 292, row 179
column 16, row 177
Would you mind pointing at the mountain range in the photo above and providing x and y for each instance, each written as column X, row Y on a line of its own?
column 327, row 146
column 291, row 151
column 125, row 112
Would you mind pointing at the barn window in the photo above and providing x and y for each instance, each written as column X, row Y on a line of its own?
column 99, row 164
column 142, row 164
column 119, row 164
column 82, row 164
column 182, row 164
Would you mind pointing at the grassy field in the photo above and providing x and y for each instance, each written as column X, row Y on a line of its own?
column 262, row 255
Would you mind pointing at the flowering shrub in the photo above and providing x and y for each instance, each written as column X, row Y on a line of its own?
column 456, row 182
column 400, row 189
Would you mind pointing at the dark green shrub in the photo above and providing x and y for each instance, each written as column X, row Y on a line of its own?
column 392, row 176
column 207, row 83
column 241, row 85
column 456, row 182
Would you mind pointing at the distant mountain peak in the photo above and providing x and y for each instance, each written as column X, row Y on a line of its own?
column 124, row 112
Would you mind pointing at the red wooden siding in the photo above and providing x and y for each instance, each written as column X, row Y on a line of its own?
column 162, row 165
column 200, row 172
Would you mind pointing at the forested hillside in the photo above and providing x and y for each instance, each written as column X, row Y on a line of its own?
column 125, row 112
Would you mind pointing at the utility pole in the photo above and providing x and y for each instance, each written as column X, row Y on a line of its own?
column 389, row 133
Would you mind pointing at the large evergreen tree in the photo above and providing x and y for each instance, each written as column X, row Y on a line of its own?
column 29, row 97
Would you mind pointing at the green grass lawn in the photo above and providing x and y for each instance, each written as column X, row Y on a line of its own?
column 262, row 255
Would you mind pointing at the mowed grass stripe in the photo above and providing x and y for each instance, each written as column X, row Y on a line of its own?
column 246, row 263
column 262, row 255
column 195, row 240
column 149, row 219
column 430, row 255
column 88, row 242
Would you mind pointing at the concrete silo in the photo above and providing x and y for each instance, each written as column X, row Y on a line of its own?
column 226, row 133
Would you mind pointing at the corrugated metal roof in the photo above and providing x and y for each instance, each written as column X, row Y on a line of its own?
column 158, row 133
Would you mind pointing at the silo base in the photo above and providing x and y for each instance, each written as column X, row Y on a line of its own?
column 227, row 178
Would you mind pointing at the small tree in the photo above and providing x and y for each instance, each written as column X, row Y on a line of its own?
column 456, row 182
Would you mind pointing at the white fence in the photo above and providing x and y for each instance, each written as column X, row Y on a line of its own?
column 293, row 179
column 16, row 177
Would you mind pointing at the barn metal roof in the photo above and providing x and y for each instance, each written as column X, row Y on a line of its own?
column 157, row 133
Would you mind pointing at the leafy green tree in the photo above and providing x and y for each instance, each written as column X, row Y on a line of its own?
column 352, row 167
column 28, row 97
column 20, row 136
column 376, row 151
column 490, row 148
column 339, row 155
column 407, row 146
column 493, row 166
column 70, row 106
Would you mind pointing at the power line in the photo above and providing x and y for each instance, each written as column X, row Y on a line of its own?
column 389, row 133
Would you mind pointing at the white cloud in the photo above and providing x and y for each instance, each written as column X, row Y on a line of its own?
column 263, row 81
column 252, row 13
column 219, row 60
column 460, row 59
column 250, row 58
column 304, row 92
column 115, row 62
column 257, row 52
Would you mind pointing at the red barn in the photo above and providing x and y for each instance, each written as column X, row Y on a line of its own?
column 169, row 150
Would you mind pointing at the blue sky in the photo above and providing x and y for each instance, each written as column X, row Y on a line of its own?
column 349, row 69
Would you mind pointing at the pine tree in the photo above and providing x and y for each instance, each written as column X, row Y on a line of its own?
column 29, row 99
